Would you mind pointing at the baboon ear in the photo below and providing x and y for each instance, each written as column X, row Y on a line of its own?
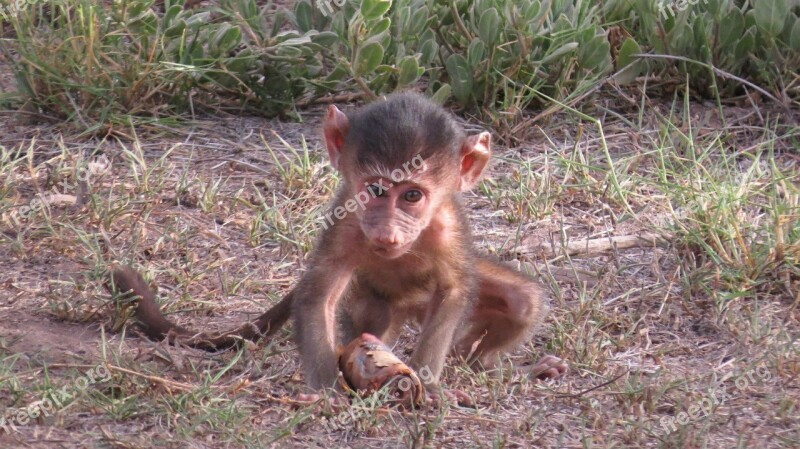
column 475, row 154
column 335, row 128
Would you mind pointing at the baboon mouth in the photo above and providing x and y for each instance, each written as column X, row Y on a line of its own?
column 391, row 252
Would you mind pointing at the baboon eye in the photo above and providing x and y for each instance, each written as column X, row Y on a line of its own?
column 377, row 190
column 412, row 196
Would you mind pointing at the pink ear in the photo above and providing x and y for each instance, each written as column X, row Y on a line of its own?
column 475, row 156
column 335, row 128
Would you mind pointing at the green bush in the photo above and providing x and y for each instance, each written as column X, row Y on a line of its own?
column 485, row 52
column 94, row 62
column 504, row 54
column 97, row 63
column 758, row 41
column 376, row 45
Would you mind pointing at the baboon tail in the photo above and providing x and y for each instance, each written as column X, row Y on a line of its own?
column 156, row 326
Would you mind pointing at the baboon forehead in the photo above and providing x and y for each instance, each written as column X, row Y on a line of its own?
column 395, row 130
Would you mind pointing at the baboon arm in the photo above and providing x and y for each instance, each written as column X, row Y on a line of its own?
column 314, row 311
column 438, row 330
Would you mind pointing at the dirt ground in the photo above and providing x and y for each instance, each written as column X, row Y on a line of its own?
column 643, row 347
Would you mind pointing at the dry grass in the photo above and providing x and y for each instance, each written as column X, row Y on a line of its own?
column 221, row 214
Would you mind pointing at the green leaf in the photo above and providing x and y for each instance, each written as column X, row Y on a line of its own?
column 399, row 51
column 701, row 35
column 170, row 15
column 293, row 40
column 562, row 24
column 442, row 94
column 588, row 34
column 338, row 25
column 238, row 65
column 288, row 51
column 632, row 66
column 749, row 19
column 337, row 74
column 198, row 19
column 374, row 9
column 136, row 8
column 418, row 21
column 595, row 54
column 770, row 15
column 175, row 30
column 170, row 3
column 326, row 39
column 794, row 37
column 428, row 49
column 626, row 52
column 402, row 19
column 681, row 38
column 147, row 22
column 304, row 14
column 385, row 39
column 380, row 26
column 745, row 45
column 460, row 77
column 489, row 27
column 532, row 11
column 730, row 29
column 248, row 9
column 369, row 57
column 475, row 53
column 385, row 69
column 481, row 6
column 713, row 6
column 409, row 71
column 560, row 51
column 227, row 37
column 193, row 53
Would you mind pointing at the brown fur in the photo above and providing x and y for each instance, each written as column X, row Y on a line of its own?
column 404, row 254
column 125, row 279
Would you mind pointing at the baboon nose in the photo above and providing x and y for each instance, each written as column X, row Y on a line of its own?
column 388, row 240
column 390, row 248
column 386, row 244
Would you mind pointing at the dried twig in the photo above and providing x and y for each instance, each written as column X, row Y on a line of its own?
column 159, row 380
column 594, row 247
